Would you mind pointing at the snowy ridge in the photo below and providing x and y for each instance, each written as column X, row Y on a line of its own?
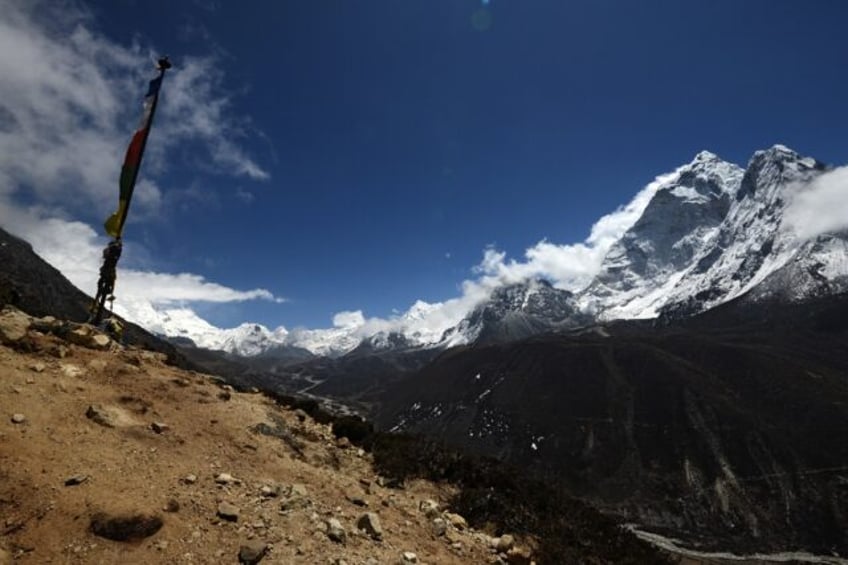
column 711, row 232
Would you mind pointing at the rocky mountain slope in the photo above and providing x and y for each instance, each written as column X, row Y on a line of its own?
column 110, row 455
column 30, row 283
column 727, row 430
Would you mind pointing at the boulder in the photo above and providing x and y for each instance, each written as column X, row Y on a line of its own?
column 13, row 325
column 125, row 527
column 88, row 337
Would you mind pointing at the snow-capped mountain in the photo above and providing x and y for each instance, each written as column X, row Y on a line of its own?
column 517, row 311
column 680, row 222
column 711, row 232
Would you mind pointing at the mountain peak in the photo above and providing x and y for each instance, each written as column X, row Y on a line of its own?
column 706, row 156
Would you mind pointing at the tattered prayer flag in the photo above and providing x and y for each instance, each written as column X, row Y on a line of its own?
column 132, row 161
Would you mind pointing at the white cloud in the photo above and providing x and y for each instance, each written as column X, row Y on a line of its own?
column 70, row 98
column 349, row 319
column 568, row 266
column 69, row 101
column 821, row 206
column 74, row 248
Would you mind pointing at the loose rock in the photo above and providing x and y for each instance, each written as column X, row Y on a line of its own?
column 70, row 370
column 456, row 520
column 370, row 524
column 18, row 418
column 439, row 526
column 13, row 324
column 228, row 512
column 409, row 557
column 429, row 507
column 75, row 480
column 335, row 531
column 159, row 427
column 225, row 479
column 125, row 528
column 504, row 543
column 357, row 500
column 109, row 416
column 252, row 552
column 89, row 337
column 519, row 556
column 190, row 479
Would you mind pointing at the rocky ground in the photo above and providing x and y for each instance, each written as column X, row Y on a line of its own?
column 100, row 442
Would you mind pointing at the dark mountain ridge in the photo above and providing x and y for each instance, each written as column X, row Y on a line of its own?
column 34, row 286
column 728, row 430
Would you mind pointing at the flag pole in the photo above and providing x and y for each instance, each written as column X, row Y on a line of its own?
column 129, row 174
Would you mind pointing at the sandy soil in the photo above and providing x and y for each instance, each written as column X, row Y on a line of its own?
column 130, row 468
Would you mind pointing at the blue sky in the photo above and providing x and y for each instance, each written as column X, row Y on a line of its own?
column 375, row 149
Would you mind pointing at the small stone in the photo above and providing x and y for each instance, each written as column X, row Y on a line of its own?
column 190, row 479
column 504, row 543
column 99, row 341
column 357, row 500
column 224, row 479
column 30, row 381
column 453, row 536
column 160, row 427
column 224, row 395
column 429, row 507
column 38, row 367
column 456, row 520
column 335, row 531
column 252, row 552
column 18, row 418
column 228, row 512
column 300, row 415
column 370, row 524
column 75, row 480
column 439, row 526
column 161, row 545
column 172, row 505
column 409, row 557
column 343, row 443
column 519, row 556
column 109, row 416
column 61, row 351
column 267, row 491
